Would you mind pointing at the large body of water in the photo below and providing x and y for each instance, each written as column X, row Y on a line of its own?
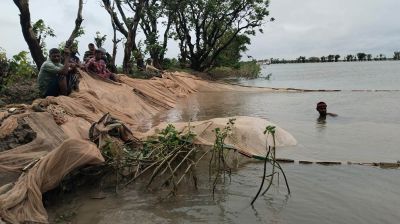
column 377, row 75
column 367, row 129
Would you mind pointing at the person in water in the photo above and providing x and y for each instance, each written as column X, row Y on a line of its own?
column 321, row 108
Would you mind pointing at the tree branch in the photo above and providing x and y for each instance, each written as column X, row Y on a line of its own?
column 78, row 22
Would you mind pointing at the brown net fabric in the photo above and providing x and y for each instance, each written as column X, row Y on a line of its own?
column 23, row 202
column 49, row 136
column 247, row 135
column 62, row 132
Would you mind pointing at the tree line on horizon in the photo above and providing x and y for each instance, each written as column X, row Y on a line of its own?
column 333, row 58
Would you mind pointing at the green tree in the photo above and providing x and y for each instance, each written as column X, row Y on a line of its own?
column 126, row 25
column 230, row 56
column 301, row 59
column 99, row 39
column 29, row 36
column 337, row 58
column 34, row 35
column 314, row 59
column 153, row 13
column 361, row 56
column 204, row 28
column 3, row 67
column 396, row 55
column 20, row 67
column 41, row 32
column 369, row 57
column 331, row 57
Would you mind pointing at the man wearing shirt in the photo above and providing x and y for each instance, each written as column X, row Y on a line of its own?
column 53, row 78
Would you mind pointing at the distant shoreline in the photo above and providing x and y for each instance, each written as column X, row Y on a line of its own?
column 326, row 62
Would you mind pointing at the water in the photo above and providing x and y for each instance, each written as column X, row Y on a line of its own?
column 366, row 129
column 383, row 75
column 320, row 194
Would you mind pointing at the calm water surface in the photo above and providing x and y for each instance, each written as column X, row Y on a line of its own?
column 367, row 129
column 383, row 75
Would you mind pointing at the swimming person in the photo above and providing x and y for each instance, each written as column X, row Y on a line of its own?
column 321, row 108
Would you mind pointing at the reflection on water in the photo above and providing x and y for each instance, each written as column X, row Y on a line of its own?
column 382, row 75
column 367, row 129
column 321, row 122
column 320, row 194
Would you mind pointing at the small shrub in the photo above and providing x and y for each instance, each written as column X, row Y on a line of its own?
column 170, row 63
column 3, row 67
column 222, row 72
column 20, row 68
column 249, row 69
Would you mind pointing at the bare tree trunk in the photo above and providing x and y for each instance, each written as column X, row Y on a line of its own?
column 127, row 63
column 126, row 27
column 78, row 22
column 115, row 42
column 29, row 36
column 130, row 44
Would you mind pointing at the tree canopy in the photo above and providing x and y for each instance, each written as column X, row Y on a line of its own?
column 205, row 28
column 209, row 32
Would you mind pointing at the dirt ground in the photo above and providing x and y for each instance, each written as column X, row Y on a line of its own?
column 23, row 134
column 25, row 91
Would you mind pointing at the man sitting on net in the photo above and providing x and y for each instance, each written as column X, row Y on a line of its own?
column 98, row 67
column 89, row 53
column 151, row 70
column 54, row 78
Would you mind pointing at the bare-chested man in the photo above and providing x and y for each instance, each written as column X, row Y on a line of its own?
column 321, row 108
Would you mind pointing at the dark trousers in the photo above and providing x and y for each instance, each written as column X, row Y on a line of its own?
column 54, row 89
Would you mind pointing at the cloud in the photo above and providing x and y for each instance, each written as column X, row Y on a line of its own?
column 307, row 27
column 321, row 27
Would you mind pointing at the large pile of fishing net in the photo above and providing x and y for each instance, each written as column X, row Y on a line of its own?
column 61, row 126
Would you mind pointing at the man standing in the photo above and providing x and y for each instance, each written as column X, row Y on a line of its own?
column 53, row 78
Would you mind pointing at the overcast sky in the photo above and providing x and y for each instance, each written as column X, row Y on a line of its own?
column 302, row 27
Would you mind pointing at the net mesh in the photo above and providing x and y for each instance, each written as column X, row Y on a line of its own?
column 62, row 128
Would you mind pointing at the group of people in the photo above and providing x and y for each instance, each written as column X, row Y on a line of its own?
column 58, row 75
column 95, row 63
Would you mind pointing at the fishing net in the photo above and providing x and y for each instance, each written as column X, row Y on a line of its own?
column 247, row 136
column 62, row 125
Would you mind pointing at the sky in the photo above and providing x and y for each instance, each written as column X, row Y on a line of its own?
column 302, row 27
